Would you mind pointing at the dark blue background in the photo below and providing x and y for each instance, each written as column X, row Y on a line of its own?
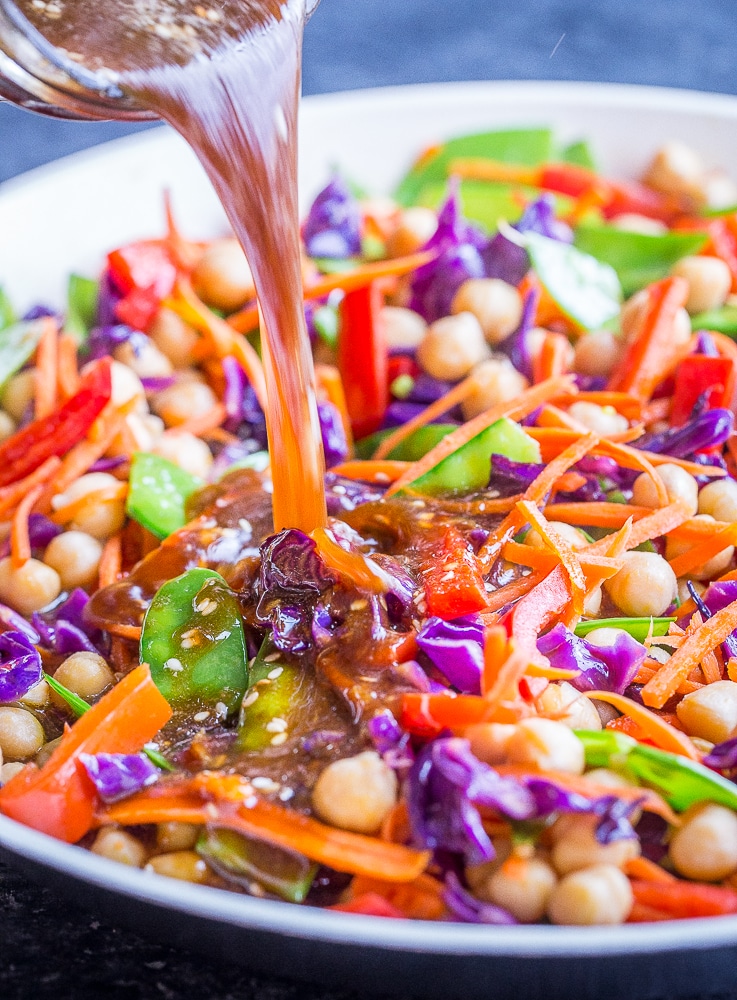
column 46, row 951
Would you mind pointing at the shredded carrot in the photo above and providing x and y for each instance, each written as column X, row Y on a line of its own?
column 525, row 403
column 563, row 551
column 659, row 731
column 201, row 424
column 552, row 358
column 494, row 171
column 653, row 525
column 67, row 512
column 20, row 541
column 454, row 397
column 67, row 373
column 358, row 569
column 371, row 470
column 623, row 402
column 110, row 561
column 496, row 647
column 683, row 899
column 13, row 494
column 421, row 899
column 704, row 550
column 545, row 559
column 710, row 668
column 247, row 319
column 688, row 655
column 512, row 592
column 643, row 868
column 124, row 631
column 46, row 369
column 596, row 514
column 330, row 384
column 184, row 253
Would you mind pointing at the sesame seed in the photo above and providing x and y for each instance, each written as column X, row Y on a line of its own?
column 272, row 657
column 264, row 784
column 276, row 741
column 276, row 725
column 359, row 605
column 175, row 665
column 250, row 698
column 201, row 716
column 286, row 794
column 206, row 607
column 221, row 709
column 276, row 672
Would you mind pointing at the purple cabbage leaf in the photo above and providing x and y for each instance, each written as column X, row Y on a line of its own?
column 118, row 775
column 608, row 662
column 333, row 225
column 20, row 666
column 456, row 649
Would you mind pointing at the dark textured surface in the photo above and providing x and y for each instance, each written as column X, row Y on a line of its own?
column 47, row 948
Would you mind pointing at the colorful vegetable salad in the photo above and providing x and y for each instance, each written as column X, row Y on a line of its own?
column 501, row 685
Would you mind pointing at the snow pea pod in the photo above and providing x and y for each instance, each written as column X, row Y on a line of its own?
column 681, row 782
column 283, row 873
column 193, row 641
column 158, row 493
column 273, row 694
column 7, row 313
column 18, row 341
column 82, row 294
column 638, row 628
column 722, row 320
column 638, row 258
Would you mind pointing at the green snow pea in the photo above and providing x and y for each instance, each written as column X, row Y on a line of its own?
column 412, row 448
column 158, row 493
column 638, row 628
column 488, row 203
column 273, row 694
column 638, row 258
column 193, row 641
column 284, row 873
column 526, row 147
column 469, row 467
column 17, row 344
column 585, row 289
column 722, row 320
column 7, row 313
column 580, row 154
column 680, row 781
column 81, row 306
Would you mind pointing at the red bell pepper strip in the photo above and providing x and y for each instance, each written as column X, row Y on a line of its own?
column 616, row 197
column 40, row 440
column 452, row 578
column 538, row 608
column 362, row 358
column 145, row 273
column 700, row 376
column 652, row 351
column 371, row 904
column 58, row 798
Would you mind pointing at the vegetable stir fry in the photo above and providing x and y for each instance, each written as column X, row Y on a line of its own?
column 501, row 685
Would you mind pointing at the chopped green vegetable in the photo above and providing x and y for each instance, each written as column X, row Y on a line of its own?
column 274, row 694
column 527, row 147
column 488, row 203
column 17, row 344
column 680, row 781
column 325, row 321
column 402, row 386
column 7, row 313
column 158, row 493
column 585, row 289
column 412, row 448
column 81, row 306
column 284, row 873
column 192, row 639
column 638, row 628
column 469, row 468
column 638, row 258
column 580, row 154
column 722, row 320
column 156, row 757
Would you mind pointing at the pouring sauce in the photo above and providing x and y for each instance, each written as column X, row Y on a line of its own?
column 227, row 78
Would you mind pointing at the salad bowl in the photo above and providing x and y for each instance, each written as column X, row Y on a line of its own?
column 62, row 218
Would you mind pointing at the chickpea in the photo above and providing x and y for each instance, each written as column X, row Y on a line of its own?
column 403, row 328
column 355, row 793
column 575, row 538
column 718, row 190
column 547, row 745
column 597, row 353
column 187, row 866
column 145, row 359
column 684, row 594
column 37, row 697
column 415, row 227
column 489, row 740
column 644, row 586
column 174, row 338
column 710, row 712
column 29, row 588
column 127, row 386
column 176, row 836
column 705, row 846
column 712, row 567
column 181, row 402
column 8, row 771
column 452, row 347
column 21, row 734
column 497, row 380
column 18, row 395
column 679, row 485
column 719, row 499
column 86, row 674
column 602, row 420
column 676, row 169
column 565, row 704
column 187, row 451
column 598, row 895
column 633, row 222
column 117, row 845
column 7, row 425
column 222, row 276
column 76, row 558
column 575, row 845
column 100, row 519
column 523, row 887
column 709, row 282
column 495, row 304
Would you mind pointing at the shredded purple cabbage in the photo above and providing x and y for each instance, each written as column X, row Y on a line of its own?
column 16, row 622
column 509, row 477
column 705, row 344
column 108, row 297
column 347, row 494
column 456, row 648
column 390, row 741
column 612, row 812
column 517, row 345
column 334, row 442
column 40, row 311
column 20, row 665
column 104, row 339
column 62, row 629
column 505, row 259
column 722, row 757
column 707, row 430
column 40, row 532
column 108, row 463
column 118, row 775
column 157, row 383
column 333, row 225
column 612, row 667
column 322, row 740
column 717, row 596
column 233, row 396
column 470, row 910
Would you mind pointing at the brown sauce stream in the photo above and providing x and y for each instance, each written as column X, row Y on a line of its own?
column 227, row 78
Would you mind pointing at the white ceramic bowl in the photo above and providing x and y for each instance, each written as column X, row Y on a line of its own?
column 64, row 217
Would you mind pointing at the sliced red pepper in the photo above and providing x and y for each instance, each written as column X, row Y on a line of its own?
column 362, row 359
column 398, row 365
column 454, row 585
column 54, row 435
column 617, row 197
column 58, row 798
column 700, row 377
column 145, row 273
column 538, row 608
